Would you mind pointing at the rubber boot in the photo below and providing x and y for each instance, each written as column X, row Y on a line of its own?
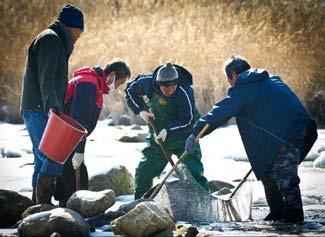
column 295, row 216
column 275, row 201
column 34, row 195
column 45, row 188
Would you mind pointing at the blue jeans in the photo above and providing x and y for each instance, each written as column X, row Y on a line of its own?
column 35, row 122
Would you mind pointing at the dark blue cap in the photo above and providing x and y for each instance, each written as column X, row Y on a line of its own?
column 72, row 16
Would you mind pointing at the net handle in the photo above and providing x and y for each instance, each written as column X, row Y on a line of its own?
column 241, row 183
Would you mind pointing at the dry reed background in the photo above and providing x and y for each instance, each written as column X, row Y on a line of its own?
column 285, row 36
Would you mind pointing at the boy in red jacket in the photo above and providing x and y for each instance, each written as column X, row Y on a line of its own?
column 84, row 102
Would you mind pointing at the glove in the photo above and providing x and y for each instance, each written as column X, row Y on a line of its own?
column 190, row 144
column 77, row 159
column 161, row 136
column 145, row 115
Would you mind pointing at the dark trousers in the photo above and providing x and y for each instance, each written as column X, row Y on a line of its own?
column 66, row 183
column 281, row 182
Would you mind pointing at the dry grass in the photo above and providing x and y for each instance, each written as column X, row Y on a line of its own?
column 286, row 37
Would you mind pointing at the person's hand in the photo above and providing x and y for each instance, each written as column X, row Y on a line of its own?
column 145, row 115
column 161, row 136
column 190, row 144
column 77, row 159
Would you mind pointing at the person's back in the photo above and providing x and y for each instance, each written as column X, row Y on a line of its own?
column 268, row 105
column 276, row 130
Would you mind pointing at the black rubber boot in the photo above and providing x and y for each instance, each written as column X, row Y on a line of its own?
column 275, row 201
column 45, row 189
column 34, row 195
column 295, row 216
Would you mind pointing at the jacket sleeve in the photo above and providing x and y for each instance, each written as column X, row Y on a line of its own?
column 135, row 90
column 185, row 110
column 82, row 109
column 221, row 112
column 48, row 54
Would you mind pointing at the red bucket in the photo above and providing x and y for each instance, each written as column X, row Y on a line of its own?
column 61, row 136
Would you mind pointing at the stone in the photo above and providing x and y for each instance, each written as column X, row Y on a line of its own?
column 320, row 161
column 89, row 203
column 12, row 205
column 116, row 178
column 136, row 127
column 36, row 209
column 11, row 153
column 60, row 221
column 124, row 120
column 141, row 137
column 108, row 216
column 216, row 185
column 146, row 219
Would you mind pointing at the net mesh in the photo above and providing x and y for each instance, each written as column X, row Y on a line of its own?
column 187, row 201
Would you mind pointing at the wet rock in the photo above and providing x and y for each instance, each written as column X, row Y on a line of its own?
column 145, row 219
column 12, row 205
column 216, row 185
column 36, row 209
column 11, row 153
column 89, row 203
column 260, row 202
column 312, row 155
column 136, row 127
column 62, row 221
column 108, row 216
column 320, row 161
column 222, row 191
column 137, row 138
column 117, row 178
column 124, row 120
column 316, row 106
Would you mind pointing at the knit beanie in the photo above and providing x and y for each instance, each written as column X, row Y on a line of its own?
column 167, row 75
column 72, row 16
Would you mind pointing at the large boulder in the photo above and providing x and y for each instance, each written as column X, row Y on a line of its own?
column 117, row 178
column 108, row 216
column 89, row 203
column 12, row 205
column 316, row 106
column 146, row 219
column 63, row 221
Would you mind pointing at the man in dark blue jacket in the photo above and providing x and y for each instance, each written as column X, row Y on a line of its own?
column 172, row 106
column 276, row 130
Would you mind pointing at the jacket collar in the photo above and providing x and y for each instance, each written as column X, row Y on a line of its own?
column 101, row 76
column 62, row 31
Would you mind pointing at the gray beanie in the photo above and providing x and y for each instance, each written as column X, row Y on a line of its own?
column 167, row 75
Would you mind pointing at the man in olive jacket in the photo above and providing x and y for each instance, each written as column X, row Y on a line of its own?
column 44, row 87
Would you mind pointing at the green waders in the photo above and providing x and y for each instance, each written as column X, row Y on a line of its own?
column 154, row 162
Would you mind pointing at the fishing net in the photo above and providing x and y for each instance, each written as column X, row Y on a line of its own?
column 186, row 200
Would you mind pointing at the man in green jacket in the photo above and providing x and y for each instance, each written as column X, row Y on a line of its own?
column 172, row 106
column 44, row 87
